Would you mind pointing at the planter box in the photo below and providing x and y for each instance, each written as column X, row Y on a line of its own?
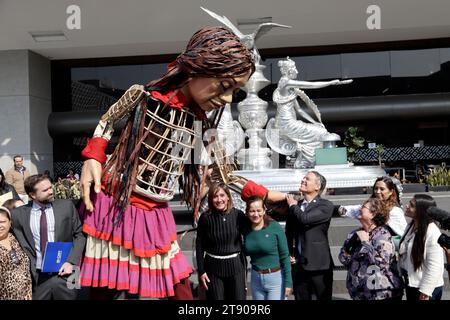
column 439, row 188
column 327, row 156
column 347, row 191
column 414, row 187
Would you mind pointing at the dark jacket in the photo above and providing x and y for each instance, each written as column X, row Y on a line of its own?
column 9, row 188
column 67, row 229
column 311, row 227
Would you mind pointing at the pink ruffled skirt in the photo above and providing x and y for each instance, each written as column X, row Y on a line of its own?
column 139, row 254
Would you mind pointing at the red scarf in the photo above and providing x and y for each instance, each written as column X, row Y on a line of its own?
column 178, row 101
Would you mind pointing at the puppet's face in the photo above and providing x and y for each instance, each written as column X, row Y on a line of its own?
column 213, row 93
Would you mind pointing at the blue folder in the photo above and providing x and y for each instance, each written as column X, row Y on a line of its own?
column 56, row 254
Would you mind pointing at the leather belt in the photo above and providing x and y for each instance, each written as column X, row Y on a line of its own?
column 264, row 271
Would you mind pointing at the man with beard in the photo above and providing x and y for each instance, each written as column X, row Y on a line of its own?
column 44, row 220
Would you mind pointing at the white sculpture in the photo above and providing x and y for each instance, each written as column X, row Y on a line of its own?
column 228, row 134
column 248, row 39
column 252, row 110
column 288, row 135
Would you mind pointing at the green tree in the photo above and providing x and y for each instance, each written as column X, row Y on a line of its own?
column 380, row 150
column 353, row 142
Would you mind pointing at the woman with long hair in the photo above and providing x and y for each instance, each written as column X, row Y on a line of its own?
column 220, row 259
column 132, row 241
column 421, row 257
column 388, row 191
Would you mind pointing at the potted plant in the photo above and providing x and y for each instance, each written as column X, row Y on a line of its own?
column 67, row 189
column 353, row 142
column 438, row 178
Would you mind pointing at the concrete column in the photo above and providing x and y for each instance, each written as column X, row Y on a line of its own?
column 25, row 104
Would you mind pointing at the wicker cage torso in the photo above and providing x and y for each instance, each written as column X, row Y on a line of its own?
column 162, row 155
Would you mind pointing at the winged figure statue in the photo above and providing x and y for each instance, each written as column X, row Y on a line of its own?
column 250, row 38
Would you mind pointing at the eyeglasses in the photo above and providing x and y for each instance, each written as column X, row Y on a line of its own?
column 14, row 257
column 364, row 206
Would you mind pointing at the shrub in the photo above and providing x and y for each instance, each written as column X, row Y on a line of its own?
column 67, row 189
column 353, row 142
column 439, row 176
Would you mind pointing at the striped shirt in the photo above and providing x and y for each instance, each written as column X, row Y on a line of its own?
column 35, row 221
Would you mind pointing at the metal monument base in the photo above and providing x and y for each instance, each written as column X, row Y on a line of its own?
column 255, row 159
column 337, row 175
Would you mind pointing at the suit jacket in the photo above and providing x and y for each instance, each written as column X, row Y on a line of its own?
column 311, row 227
column 67, row 229
column 16, row 179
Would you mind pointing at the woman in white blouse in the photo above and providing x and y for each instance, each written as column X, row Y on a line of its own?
column 421, row 257
column 388, row 191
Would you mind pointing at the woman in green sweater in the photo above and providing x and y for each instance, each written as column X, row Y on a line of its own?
column 266, row 244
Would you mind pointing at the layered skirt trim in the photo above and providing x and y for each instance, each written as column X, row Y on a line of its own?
column 139, row 254
column 146, row 232
column 112, row 266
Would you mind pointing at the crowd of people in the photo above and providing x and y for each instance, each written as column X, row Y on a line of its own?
column 124, row 237
column 386, row 258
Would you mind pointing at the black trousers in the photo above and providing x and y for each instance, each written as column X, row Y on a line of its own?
column 413, row 294
column 226, row 288
column 53, row 287
column 309, row 283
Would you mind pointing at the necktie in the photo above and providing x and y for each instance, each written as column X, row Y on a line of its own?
column 43, row 231
column 304, row 205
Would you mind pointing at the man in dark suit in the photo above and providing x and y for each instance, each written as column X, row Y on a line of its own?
column 44, row 220
column 307, row 225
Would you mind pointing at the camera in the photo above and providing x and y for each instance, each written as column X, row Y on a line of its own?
column 444, row 241
column 352, row 244
column 443, row 217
